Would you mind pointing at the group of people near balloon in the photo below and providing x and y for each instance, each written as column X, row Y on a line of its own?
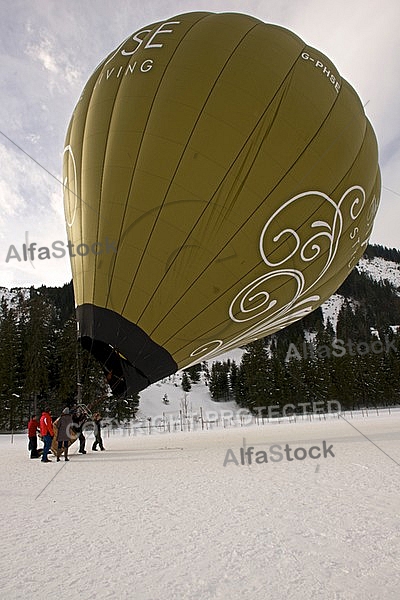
column 64, row 431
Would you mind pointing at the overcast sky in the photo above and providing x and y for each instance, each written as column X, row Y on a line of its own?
column 49, row 48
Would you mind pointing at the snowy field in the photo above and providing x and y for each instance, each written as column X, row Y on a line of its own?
column 159, row 516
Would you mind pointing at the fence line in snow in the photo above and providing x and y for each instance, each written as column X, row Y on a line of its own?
column 199, row 422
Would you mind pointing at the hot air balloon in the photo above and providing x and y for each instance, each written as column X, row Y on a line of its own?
column 221, row 181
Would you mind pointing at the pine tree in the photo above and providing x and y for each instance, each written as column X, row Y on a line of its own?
column 233, row 376
column 186, row 385
column 194, row 373
column 39, row 330
column 67, row 354
column 11, row 402
column 120, row 409
column 219, row 383
column 255, row 383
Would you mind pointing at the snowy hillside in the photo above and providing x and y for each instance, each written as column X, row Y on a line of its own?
column 331, row 307
column 10, row 295
column 152, row 404
column 380, row 270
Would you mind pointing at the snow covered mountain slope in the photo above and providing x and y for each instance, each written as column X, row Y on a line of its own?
column 381, row 270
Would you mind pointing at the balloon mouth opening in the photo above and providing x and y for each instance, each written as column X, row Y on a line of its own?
column 112, row 363
column 130, row 359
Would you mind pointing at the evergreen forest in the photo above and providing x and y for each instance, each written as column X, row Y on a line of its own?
column 355, row 364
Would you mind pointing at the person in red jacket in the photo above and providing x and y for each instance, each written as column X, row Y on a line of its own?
column 33, row 427
column 47, row 432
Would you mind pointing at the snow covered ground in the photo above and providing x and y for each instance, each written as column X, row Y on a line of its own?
column 159, row 516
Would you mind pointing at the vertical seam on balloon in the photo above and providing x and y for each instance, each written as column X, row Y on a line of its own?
column 289, row 74
column 84, row 375
column 283, row 82
column 204, row 270
column 82, row 152
column 111, row 113
column 179, row 162
column 282, row 85
column 82, row 136
column 308, row 266
column 101, row 195
column 138, row 354
column 111, row 272
column 132, row 178
column 242, row 176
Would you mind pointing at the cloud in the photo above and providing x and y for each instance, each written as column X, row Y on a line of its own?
column 43, row 52
column 62, row 69
column 13, row 171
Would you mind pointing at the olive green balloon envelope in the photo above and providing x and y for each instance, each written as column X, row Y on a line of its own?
column 221, row 181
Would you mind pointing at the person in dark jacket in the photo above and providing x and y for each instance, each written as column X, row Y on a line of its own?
column 97, row 432
column 33, row 428
column 47, row 433
column 79, row 418
column 64, row 434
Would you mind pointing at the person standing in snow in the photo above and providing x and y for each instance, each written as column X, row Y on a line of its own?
column 79, row 418
column 33, row 428
column 64, row 434
column 47, row 432
column 97, row 432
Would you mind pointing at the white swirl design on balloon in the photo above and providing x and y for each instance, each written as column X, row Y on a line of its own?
column 252, row 303
column 205, row 349
column 255, row 304
column 70, row 188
